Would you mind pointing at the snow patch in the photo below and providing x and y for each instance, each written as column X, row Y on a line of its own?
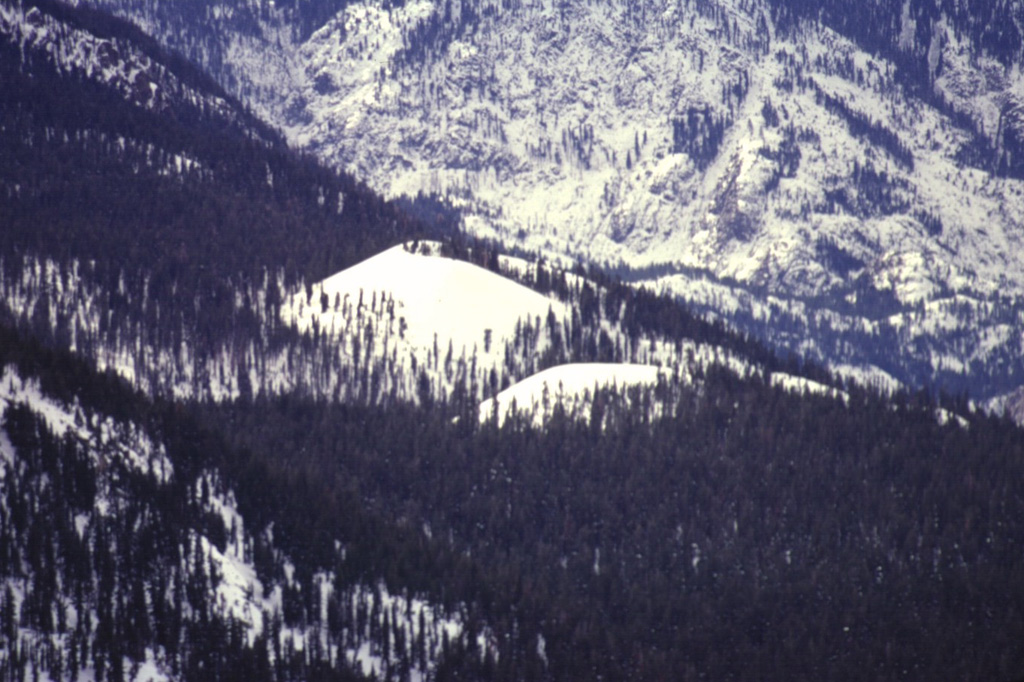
column 571, row 386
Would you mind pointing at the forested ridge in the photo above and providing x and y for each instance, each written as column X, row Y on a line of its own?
column 748, row 532
column 716, row 525
column 174, row 224
column 109, row 566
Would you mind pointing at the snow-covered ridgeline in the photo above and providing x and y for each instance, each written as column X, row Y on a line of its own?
column 570, row 388
column 403, row 325
column 575, row 389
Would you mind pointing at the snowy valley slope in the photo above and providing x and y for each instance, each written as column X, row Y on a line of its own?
column 662, row 133
column 169, row 255
column 731, row 151
column 694, row 134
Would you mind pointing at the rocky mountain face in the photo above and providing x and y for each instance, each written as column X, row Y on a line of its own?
column 733, row 137
column 696, row 134
column 843, row 167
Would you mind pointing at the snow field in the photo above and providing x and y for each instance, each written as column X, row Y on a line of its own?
column 437, row 301
column 571, row 386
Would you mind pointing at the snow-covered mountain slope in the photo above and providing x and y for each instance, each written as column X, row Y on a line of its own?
column 744, row 141
column 659, row 133
column 102, row 457
column 124, row 444
column 432, row 305
column 411, row 323
column 668, row 138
